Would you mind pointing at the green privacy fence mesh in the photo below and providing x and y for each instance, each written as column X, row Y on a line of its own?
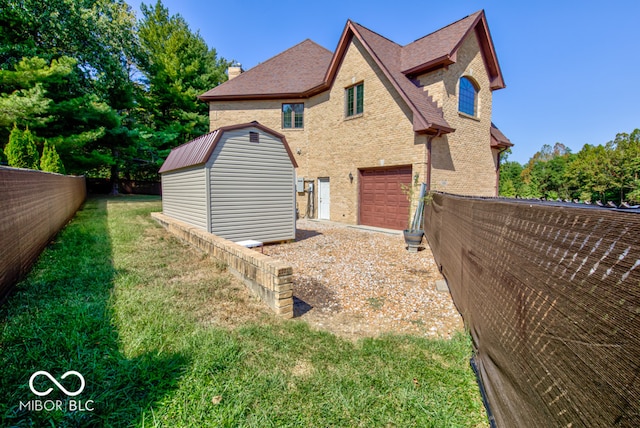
column 551, row 296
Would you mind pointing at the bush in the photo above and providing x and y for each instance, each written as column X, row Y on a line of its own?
column 21, row 151
column 50, row 161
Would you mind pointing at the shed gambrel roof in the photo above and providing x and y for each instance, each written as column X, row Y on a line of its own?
column 308, row 69
column 197, row 151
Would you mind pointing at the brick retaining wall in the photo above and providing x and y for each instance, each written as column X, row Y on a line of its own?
column 269, row 279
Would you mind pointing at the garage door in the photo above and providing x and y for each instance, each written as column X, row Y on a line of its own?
column 382, row 202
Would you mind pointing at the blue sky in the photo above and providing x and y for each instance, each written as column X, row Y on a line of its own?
column 572, row 68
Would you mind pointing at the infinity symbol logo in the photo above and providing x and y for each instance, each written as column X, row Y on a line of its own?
column 60, row 387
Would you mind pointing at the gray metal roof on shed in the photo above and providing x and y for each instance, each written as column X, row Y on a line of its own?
column 197, row 151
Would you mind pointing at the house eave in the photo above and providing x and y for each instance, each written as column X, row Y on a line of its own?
column 499, row 145
column 433, row 130
column 315, row 90
column 443, row 61
column 489, row 54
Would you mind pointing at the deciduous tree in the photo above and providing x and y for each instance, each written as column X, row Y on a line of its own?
column 609, row 172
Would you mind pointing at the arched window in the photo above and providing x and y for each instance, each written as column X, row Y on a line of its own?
column 468, row 95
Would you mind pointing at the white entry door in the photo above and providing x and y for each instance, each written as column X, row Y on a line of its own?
column 323, row 198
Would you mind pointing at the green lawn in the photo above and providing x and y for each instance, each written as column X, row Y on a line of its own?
column 164, row 336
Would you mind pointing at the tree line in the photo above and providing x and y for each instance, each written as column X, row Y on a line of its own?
column 87, row 88
column 609, row 172
column 96, row 91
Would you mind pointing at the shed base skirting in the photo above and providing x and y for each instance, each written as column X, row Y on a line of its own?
column 267, row 278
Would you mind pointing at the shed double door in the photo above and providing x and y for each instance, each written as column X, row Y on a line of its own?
column 382, row 202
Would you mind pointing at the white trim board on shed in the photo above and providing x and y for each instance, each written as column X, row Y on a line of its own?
column 237, row 182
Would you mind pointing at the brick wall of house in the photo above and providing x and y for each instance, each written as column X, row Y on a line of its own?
column 463, row 162
column 382, row 136
column 333, row 146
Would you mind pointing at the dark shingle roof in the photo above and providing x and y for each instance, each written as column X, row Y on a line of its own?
column 426, row 114
column 498, row 139
column 440, row 48
column 437, row 46
column 288, row 74
column 308, row 69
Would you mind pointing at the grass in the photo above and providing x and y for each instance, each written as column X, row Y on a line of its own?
column 165, row 337
column 376, row 302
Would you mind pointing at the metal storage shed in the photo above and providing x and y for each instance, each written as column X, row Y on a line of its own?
column 237, row 182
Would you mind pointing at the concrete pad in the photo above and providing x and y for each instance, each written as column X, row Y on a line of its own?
column 441, row 285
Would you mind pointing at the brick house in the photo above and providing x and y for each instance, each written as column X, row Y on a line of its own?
column 374, row 114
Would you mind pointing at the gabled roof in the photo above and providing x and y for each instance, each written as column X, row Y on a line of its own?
column 197, row 151
column 440, row 49
column 427, row 116
column 498, row 139
column 308, row 69
column 290, row 74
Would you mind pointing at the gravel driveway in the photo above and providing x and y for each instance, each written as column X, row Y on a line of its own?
column 357, row 282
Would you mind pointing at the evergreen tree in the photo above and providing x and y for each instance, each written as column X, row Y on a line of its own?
column 178, row 66
column 21, row 151
column 84, row 106
column 69, row 70
column 50, row 161
column 39, row 95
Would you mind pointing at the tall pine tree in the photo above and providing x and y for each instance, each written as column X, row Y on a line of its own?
column 84, row 105
column 178, row 66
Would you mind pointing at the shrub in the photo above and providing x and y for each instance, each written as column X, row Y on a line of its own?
column 21, row 151
column 50, row 161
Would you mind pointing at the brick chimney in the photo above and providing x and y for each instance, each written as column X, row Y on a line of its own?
column 234, row 70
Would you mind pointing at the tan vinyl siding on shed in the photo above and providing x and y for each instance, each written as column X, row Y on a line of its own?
column 184, row 196
column 252, row 188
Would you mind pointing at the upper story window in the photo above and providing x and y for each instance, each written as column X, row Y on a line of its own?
column 354, row 100
column 468, row 97
column 293, row 115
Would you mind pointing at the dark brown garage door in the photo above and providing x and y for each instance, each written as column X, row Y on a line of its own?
column 382, row 202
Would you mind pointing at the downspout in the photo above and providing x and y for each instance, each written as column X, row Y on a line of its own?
column 428, row 177
column 428, row 154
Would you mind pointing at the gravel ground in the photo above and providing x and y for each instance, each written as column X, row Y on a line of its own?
column 357, row 283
